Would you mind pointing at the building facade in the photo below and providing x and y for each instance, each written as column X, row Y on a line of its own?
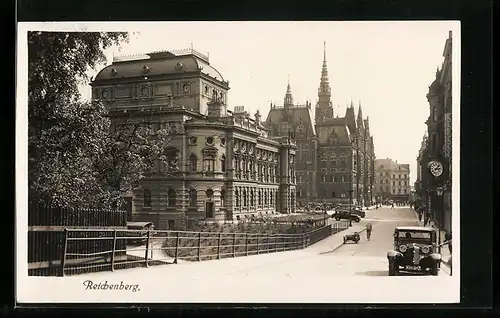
column 335, row 156
column 225, row 165
column 392, row 180
column 434, row 189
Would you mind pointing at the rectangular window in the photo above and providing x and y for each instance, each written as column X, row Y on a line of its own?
column 147, row 198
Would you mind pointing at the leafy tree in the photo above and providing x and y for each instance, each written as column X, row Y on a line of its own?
column 76, row 156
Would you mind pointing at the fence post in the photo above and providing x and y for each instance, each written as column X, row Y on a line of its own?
column 63, row 254
column 218, row 245
column 177, row 241
column 276, row 243
column 113, row 254
column 199, row 246
column 147, row 249
column 234, row 244
column 246, row 244
column 258, row 245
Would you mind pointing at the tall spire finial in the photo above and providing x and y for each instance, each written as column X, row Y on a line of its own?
column 324, row 51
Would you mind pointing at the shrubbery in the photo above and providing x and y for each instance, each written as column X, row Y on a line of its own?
column 246, row 235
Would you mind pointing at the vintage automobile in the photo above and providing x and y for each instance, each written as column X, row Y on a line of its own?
column 415, row 251
column 352, row 237
column 345, row 215
column 354, row 209
column 139, row 233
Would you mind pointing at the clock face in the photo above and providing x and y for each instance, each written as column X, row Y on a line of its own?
column 436, row 168
column 105, row 94
column 144, row 91
column 186, row 88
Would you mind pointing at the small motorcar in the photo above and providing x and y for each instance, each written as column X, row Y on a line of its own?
column 414, row 252
column 352, row 237
column 359, row 212
column 345, row 215
column 138, row 237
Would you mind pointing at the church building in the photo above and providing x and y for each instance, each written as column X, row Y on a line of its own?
column 335, row 155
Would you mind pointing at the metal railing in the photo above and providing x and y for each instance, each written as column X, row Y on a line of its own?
column 144, row 248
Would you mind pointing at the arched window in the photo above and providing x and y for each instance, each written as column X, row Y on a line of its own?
column 223, row 163
column 252, row 198
column 193, row 162
column 209, row 163
column 193, row 198
column 147, row 198
column 244, row 198
column 237, row 196
column 209, row 193
column 259, row 198
column 171, row 197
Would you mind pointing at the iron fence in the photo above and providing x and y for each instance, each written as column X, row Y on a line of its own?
column 48, row 228
column 139, row 248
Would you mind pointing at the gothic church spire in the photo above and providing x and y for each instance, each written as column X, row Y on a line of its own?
column 324, row 108
column 288, row 102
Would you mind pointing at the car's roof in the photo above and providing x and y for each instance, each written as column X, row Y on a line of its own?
column 139, row 223
column 415, row 228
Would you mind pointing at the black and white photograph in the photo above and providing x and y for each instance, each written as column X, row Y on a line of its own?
column 249, row 162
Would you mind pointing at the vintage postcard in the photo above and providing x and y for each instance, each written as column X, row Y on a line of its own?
column 249, row 162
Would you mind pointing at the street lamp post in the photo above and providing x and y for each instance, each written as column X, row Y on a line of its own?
column 350, row 199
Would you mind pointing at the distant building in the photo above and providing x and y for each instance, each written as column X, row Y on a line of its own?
column 392, row 180
column 335, row 156
column 434, row 191
column 226, row 166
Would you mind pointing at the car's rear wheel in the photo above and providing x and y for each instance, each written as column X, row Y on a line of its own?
column 435, row 269
column 392, row 268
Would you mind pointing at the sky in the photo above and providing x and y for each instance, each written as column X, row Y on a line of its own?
column 385, row 66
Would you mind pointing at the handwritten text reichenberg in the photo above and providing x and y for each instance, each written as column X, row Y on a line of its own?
column 90, row 285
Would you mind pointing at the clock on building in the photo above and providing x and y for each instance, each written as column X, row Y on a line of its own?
column 105, row 94
column 186, row 88
column 436, row 168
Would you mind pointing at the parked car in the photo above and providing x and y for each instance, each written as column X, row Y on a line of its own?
column 359, row 212
column 139, row 234
column 354, row 209
column 415, row 251
column 345, row 215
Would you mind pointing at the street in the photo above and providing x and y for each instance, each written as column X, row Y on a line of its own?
column 368, row 258
column 326, row 258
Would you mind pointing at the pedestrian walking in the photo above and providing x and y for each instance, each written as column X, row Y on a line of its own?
column 368, row 231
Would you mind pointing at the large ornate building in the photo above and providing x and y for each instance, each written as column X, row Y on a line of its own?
column 335, row 156
column 392, row 180
column 226, row 165
column 435, row 158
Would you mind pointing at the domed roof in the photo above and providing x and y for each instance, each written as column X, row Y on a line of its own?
column 159, row 63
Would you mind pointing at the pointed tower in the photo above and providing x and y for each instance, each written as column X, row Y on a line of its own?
column 288, row 102
column 360, row 116
column 324, row 108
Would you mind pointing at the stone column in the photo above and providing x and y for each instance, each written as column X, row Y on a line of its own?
column 284, row 179
column 229, row 202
